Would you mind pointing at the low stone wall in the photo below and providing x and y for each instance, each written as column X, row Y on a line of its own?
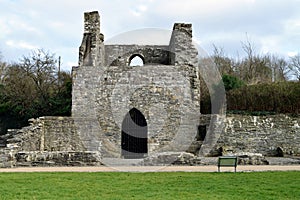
column 10, row 158
column 183, row 158
column 7, row 158
column 274, row 135
column 46, row 134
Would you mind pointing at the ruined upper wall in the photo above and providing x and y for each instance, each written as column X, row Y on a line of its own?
column 93, row 52
column 181, row 44
column 92, row 23
column 90, row 53
column 180, row 51
column 121, row 55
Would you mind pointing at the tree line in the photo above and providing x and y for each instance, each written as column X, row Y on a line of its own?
column 256, row 83
column 256, row 68
column 31, row 88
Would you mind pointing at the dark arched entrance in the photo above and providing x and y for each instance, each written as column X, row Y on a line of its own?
column 134, row 135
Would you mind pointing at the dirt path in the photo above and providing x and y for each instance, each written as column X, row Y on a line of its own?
column 208, row 168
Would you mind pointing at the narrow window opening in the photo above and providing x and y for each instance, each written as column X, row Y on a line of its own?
column 136, row 60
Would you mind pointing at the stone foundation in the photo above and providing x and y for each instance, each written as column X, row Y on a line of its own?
column 9, row 158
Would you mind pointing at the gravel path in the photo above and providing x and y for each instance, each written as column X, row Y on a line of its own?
column 208, row 168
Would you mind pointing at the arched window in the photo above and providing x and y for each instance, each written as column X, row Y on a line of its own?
column 136, row 60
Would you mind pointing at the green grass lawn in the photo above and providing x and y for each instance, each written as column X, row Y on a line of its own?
column 155, row 185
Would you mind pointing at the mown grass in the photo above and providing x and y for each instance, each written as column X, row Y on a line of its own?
column 155, row 185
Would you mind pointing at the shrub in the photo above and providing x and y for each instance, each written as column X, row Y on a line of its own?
column 231, row 82
column 281, row 97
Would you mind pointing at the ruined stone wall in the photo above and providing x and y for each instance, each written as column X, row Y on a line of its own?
column 86, row 81
column 47, row 141
column 185, row 55
column 91, row 50
column 120, row 55
column 46, row 134
column 274, row 135
column 60, row 134
column 181, row 44
column 12, row 158
column 165, row 91
column 160, row 92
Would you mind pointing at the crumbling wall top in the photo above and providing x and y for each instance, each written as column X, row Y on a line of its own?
column 183, row 27
column 92, row 22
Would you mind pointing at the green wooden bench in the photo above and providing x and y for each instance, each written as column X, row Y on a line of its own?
column 227, row 161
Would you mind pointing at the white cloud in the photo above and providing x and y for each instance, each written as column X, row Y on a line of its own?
column 142, row 8
column 270, row 44
column 22, row 26
column 5, row 29
column 200, row 9
column 21, row 45
column 58, row 24
column 139, row 10
column 292, row 26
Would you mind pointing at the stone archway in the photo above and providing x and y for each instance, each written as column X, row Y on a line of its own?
column 134, row 138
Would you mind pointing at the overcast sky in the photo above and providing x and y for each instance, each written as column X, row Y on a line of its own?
column 272, row 25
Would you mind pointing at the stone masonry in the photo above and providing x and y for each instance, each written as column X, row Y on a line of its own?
column 166, row 90
column 274, row 135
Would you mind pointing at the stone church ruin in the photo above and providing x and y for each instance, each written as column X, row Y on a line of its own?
column 123, row 103
column 148, row 112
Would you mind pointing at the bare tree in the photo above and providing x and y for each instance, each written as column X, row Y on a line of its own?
column 248, row 66
column 223, row 63
column 295, row 66
column 30, row 84
column 40, row 66
column 279, row 66
column 254, row 68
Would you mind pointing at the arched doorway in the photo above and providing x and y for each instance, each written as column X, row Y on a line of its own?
column 134, row 138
